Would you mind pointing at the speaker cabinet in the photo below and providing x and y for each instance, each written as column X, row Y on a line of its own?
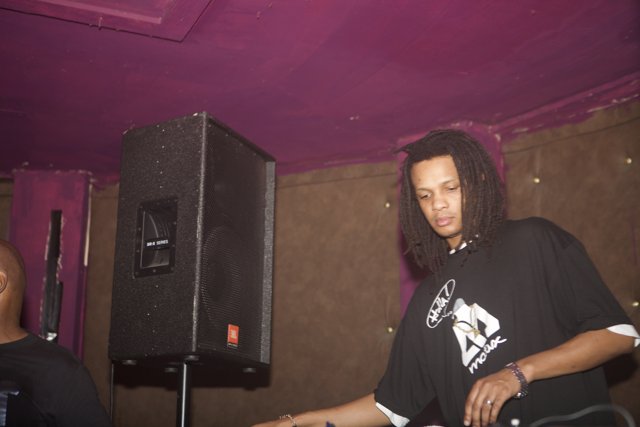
column 194, row 245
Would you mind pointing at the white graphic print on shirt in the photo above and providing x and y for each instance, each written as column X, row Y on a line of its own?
column 476, row 331
column 438, row 310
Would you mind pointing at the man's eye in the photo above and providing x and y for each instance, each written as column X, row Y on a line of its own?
column 453, row 188
column 424, row 196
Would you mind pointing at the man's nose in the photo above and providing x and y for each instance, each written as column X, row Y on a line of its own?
column 439, row 202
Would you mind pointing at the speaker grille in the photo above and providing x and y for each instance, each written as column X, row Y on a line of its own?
column 221, row 291
column 233, row 247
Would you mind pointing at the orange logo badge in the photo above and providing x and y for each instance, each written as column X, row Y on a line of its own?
column 233, row 336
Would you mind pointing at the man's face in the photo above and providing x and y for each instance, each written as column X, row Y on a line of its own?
column 439, row 195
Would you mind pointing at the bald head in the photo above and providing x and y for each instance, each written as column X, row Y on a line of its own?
column 12, row 283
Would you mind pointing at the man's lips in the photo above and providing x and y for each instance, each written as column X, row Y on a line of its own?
column 443, row 221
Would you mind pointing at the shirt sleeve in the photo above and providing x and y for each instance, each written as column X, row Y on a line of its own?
column 396, row 420
column 582, row 301
column 628, row 330
column 405, row 389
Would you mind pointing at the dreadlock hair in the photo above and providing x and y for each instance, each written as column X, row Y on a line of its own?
column 481, row 190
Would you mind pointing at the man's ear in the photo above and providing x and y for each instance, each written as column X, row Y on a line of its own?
column 4, row 280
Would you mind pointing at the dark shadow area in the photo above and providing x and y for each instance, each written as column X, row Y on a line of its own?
column 620, row 369
column 207, row 374
column 431, row 415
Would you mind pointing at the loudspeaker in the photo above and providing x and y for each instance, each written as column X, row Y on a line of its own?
column 194, row 246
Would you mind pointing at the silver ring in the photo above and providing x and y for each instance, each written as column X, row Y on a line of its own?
column 489, row 402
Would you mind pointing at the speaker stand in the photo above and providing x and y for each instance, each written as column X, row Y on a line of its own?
column 184, row 395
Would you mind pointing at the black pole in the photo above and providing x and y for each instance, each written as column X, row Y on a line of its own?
column 184, row 395
column 111, row 390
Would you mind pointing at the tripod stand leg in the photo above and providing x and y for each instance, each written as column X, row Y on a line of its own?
column 184, row 395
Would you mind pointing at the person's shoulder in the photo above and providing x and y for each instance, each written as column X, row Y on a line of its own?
column 532, row 224
column 57, row 354
column 536, row 228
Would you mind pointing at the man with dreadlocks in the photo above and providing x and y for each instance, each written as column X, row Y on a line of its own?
column 512, row 324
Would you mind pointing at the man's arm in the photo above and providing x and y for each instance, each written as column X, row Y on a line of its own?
column 358, row 413
column 584, row 351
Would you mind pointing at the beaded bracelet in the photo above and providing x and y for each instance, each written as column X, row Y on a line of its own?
column 524, row 385
column 293, row 421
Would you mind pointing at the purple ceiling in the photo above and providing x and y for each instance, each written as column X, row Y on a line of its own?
column 315, row 83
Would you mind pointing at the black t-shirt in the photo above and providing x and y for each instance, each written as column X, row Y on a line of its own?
column 532, row 290
column 47, row 378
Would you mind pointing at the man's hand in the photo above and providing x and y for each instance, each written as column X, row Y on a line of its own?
column 487, row 396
